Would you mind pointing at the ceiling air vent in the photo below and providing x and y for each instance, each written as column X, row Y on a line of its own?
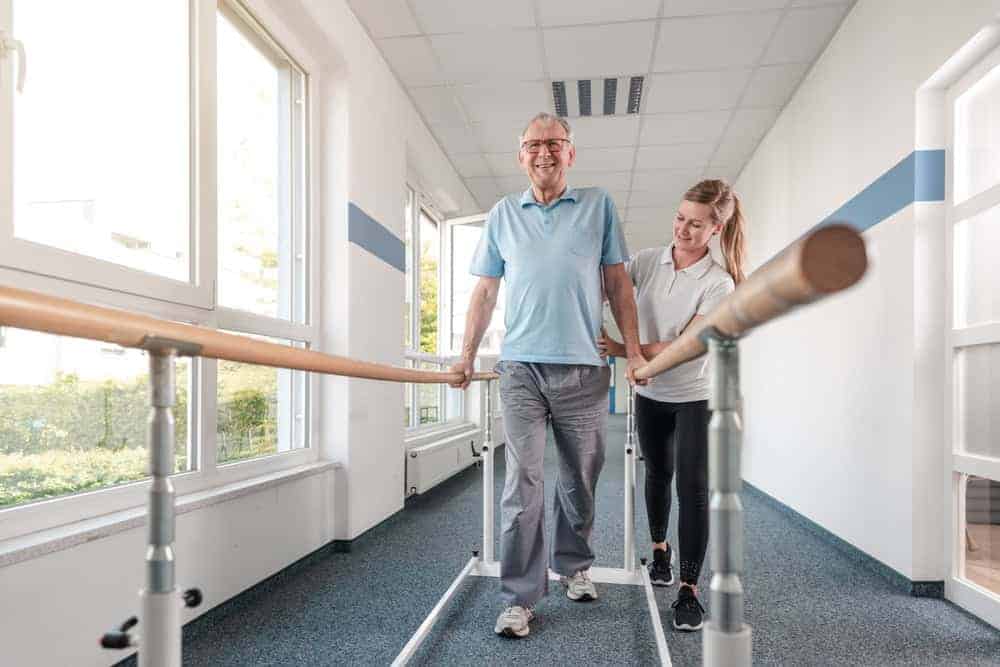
column 616, row 96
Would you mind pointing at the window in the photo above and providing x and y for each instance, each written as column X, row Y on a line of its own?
column 465, row 236
column 261, row 148
column 101, row 171
column 974, row 337
column 149, row 198
column 425, row 404
column 74, row 415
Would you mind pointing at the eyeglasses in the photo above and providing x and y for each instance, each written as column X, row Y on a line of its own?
column 554, row 145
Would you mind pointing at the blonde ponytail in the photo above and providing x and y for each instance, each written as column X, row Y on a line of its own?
column 733, row 242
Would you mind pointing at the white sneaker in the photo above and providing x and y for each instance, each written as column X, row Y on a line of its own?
column 579, row 587
column 513, row 622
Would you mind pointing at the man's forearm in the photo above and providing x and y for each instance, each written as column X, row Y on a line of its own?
column 476, row 320
column 626, row 316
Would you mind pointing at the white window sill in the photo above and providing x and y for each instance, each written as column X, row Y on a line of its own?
column 428, row 435
column 19, row 549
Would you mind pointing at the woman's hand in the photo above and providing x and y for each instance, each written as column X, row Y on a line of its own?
column 609, row 347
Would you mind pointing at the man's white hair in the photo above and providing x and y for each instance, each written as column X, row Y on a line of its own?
column 546, row 119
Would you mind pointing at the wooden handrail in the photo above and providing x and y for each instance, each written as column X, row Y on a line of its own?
column 823, row 262
column 25, row 309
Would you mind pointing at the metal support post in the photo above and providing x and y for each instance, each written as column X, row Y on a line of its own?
column 630, row 480
column 161, row 606
column 488, row 477
column 727, row 638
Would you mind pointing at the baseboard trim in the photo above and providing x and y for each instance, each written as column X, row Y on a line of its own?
column 919, row 589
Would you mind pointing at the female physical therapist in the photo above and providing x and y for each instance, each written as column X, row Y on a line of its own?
column 675, row 286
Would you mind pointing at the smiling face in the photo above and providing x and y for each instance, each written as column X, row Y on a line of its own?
column 694, row 226
column 547, row 167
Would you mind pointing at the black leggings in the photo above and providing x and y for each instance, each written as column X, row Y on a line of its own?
column 670, row 432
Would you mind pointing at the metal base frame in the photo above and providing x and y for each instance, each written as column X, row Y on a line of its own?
column 487, row 566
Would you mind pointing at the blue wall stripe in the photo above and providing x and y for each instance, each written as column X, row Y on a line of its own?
column 918, row 177
column 366, row 232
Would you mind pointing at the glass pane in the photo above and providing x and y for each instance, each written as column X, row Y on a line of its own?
column 464, row 239
column 977, row 275
column 982, row 532
column 408, row 400
column 101, row 131
column 977, row 380
column 454, row 408
column 256, row 152
column 73, row 415
column 430, row 244
column 261, row 410
column 429, row 399
column 408, row 297
column 977, row 137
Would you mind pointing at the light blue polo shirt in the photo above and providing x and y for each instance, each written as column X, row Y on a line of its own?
column 551, row 258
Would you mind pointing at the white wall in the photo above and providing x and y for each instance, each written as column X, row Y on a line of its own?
column 373, row 139
column 844, row 402
column 366, row 127
column 56, row 607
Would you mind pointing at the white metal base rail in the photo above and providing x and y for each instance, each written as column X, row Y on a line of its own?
column 486, row 566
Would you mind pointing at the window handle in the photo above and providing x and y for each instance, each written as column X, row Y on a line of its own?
column 8, row 44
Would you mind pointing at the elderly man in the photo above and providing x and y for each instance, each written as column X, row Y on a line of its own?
column 553, row 244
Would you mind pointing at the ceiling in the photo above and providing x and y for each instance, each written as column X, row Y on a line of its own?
column 717, row 74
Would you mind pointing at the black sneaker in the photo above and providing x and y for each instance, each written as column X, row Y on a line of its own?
column 660, row 572
column 688, row 612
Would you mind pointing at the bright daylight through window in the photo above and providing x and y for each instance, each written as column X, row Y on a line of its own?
column 101, row 182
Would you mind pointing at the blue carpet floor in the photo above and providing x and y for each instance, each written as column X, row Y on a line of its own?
column 807, row 603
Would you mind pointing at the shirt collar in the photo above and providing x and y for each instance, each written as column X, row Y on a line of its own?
column 699, row 269
column 528, row 197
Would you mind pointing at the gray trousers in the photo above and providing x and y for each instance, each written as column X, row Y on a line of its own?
column 575, row 399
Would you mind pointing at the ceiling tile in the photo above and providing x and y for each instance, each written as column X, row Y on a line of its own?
column 438, row 105
column 499, row 133
column 675, row 156
column 604, row 159
column 471, row 165
column 651, row 215
column 609, row 180
column 524, row 98
column 412, row 60
column 504, row 164
column 677, row 128
column 575, row 12
column 694, row 91
column 385, row 18
column 440, row 16
column 659, row 198
column 814, row 3
column 735, row 151
column 750, row 123
column 771, row 86
column 803, row 34
column 512, row 184
column 605, row 131
column 456, row 138
column 665, row 179
column 485, row 191
column 736, row 39
column 694, row 7
column 605, row 50
column 729, row 173
column 471, row 57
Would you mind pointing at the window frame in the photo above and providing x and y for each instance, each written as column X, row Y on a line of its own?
column 165, row 301
column 420, row 204
column 958, row 337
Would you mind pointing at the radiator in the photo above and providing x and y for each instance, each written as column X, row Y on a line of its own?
column 431, row 464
